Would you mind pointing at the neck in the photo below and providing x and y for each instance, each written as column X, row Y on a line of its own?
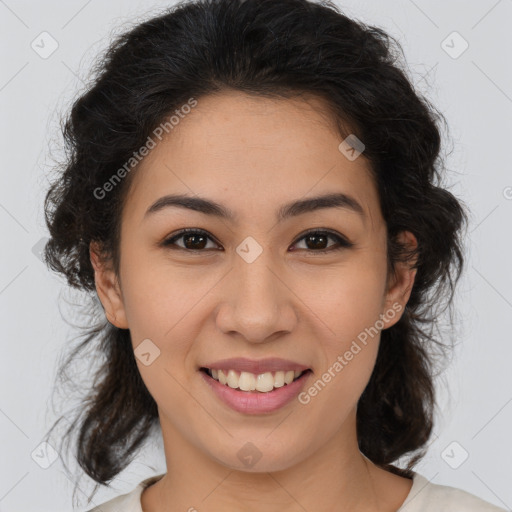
column 335, row 477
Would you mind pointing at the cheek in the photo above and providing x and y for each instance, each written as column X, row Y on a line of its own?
column 164, row 303
column 348, row 298
column 349, row 312
column 348, row 304
column 163, row 315
column 156, row 294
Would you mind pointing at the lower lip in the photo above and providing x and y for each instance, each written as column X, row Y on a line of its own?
column 255, row 402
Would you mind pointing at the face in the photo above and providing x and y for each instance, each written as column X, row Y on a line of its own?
column 253, row 284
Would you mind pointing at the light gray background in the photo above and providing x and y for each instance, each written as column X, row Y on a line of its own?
column 474, row 91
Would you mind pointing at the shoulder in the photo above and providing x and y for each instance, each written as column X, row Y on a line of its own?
column 125, row 503
column 129, row 502
column 425, row 496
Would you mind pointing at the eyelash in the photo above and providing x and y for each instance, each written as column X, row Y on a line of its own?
column 342, row 242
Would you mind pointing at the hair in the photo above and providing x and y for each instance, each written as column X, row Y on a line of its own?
column 275, row 49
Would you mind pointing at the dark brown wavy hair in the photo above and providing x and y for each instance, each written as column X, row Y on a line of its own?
column 275, row 49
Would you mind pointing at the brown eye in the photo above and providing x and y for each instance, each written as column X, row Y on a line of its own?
column 193, row 240
column 316, row 241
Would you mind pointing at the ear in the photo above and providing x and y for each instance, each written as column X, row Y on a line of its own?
column 107, row 287
column 400, row 283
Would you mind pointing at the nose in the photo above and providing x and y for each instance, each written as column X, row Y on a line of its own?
column 257, row 303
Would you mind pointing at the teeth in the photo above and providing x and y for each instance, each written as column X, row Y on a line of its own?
column 279, row 380
column 233, row 379
column 247, row 381
column 264, row 382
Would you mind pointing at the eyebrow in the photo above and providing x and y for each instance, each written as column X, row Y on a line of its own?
column 293, row 209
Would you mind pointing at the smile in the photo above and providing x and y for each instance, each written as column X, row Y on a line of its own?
column 264, row 393
column 247, row 381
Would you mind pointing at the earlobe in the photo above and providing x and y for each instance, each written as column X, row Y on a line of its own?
column 401, row 283
column 107, row 288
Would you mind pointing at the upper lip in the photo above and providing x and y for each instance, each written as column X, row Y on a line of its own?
column 243, row 364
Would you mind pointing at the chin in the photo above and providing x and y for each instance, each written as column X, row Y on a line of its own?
column 257, row 456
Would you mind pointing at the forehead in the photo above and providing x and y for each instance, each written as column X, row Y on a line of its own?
column 252, row 153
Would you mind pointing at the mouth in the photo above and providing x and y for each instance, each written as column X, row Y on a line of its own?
column 266, row 382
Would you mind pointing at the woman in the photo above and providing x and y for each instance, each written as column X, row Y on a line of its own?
column 253, row 192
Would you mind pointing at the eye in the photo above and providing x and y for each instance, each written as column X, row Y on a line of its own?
column 195, row 239
column 318, row 238
column 315, row 240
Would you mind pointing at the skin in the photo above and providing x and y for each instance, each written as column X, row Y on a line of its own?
column 253, row 155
